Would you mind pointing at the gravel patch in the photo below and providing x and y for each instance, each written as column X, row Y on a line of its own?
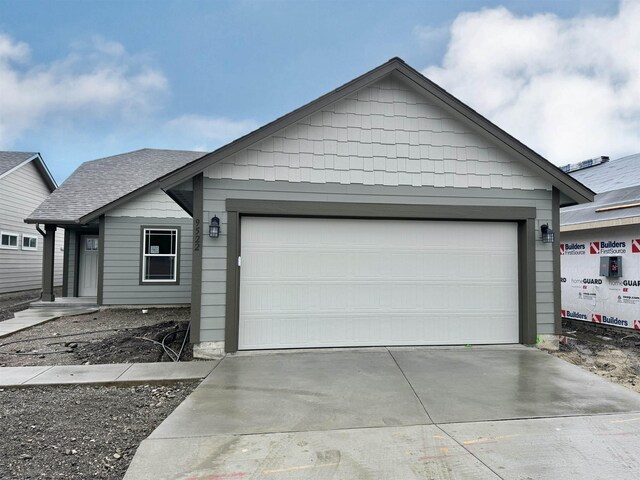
column 611, row 353
column 80, row 432
column 107, row 336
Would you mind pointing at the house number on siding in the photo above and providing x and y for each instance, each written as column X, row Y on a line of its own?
column 196, row 236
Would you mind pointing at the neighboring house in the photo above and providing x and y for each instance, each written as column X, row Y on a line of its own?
column 606, row 231
column 126, row 241
column 386, row 212
column 25, row 182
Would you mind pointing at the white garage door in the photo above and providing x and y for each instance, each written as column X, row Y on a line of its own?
column 341, row 282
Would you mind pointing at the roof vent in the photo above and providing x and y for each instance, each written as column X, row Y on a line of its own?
column 592, row 162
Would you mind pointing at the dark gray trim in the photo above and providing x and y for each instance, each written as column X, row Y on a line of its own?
column 555, row 226
column 524, row 216
column 527, row 281
column 545, row 169
column 76, row 277
column 375, row 210
column 179, row 201
column 199, row 234
column 101, row 235
column 232, row 323
column 48, row 263
column 65, row 263
column 179, row 236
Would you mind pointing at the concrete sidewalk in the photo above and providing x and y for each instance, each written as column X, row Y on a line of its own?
column 35, row 316
column 108, row 374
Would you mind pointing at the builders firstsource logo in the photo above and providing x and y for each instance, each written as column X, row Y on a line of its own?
column 573, row 249
column 574, row 315
column 597, row 318
column 635, row 245
column 610, row 247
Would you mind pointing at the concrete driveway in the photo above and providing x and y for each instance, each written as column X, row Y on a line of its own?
column 398, row 413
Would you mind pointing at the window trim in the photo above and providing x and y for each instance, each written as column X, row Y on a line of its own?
column 143, row 256
column 27, row 235
column 12, row 234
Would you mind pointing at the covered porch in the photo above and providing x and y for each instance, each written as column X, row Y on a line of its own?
column 83, row 263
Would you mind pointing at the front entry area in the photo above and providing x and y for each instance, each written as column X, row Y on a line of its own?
column 328, row 282
column 88, row 266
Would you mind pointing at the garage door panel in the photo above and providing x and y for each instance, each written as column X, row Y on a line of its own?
column 338, row 282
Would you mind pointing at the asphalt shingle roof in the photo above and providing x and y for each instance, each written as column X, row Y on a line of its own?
column 616, row 182
column 9, row 160
column 97, row 183
column 586, row 213
column 613, row 175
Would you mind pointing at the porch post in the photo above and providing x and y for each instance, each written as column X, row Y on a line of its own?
column 48, row 258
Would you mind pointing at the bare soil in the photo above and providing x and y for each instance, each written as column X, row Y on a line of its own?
column 80, row 432
column 107, row 336
column 611, row 353
column 14, row 302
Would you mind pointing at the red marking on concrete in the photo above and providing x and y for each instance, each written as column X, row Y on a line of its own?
column 221, row 476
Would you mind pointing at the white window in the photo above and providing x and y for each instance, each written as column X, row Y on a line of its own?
column 29, row 242
column 9, row 240
column 160, row 255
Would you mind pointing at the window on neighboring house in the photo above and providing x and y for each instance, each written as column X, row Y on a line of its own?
column 160, row 255
column 29, row 242
column 8, row 240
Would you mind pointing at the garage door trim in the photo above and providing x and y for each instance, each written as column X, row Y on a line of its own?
column 524, row 216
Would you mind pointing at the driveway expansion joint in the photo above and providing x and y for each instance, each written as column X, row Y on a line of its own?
column 411, row 386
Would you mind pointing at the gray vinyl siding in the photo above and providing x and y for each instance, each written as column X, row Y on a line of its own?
column 122, row 257
column 214, row 250
column 20, row 193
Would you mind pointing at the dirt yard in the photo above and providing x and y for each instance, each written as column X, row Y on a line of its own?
column 80, row 432
column 14, row 302
column 610, row 353
column 108, row 336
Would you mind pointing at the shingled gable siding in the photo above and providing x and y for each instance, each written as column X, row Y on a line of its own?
column 20, row 193
column 121, row 284
column 385, row 144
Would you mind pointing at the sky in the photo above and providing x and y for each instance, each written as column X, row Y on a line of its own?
column 83, row 80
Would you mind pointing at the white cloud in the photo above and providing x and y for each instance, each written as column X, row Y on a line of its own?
column 99, row 86
column 568, row 88
column 206, row 133
column 98, row 80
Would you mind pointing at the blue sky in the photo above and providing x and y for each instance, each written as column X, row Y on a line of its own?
column 83, row 80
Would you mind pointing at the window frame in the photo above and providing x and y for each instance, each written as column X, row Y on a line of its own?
column 143, row 255
column 27, row 235
column 11, row 234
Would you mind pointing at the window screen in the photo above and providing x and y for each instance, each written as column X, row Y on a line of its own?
column 160, row 254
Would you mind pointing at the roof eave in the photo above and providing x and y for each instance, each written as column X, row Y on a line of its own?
column 556, row 177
